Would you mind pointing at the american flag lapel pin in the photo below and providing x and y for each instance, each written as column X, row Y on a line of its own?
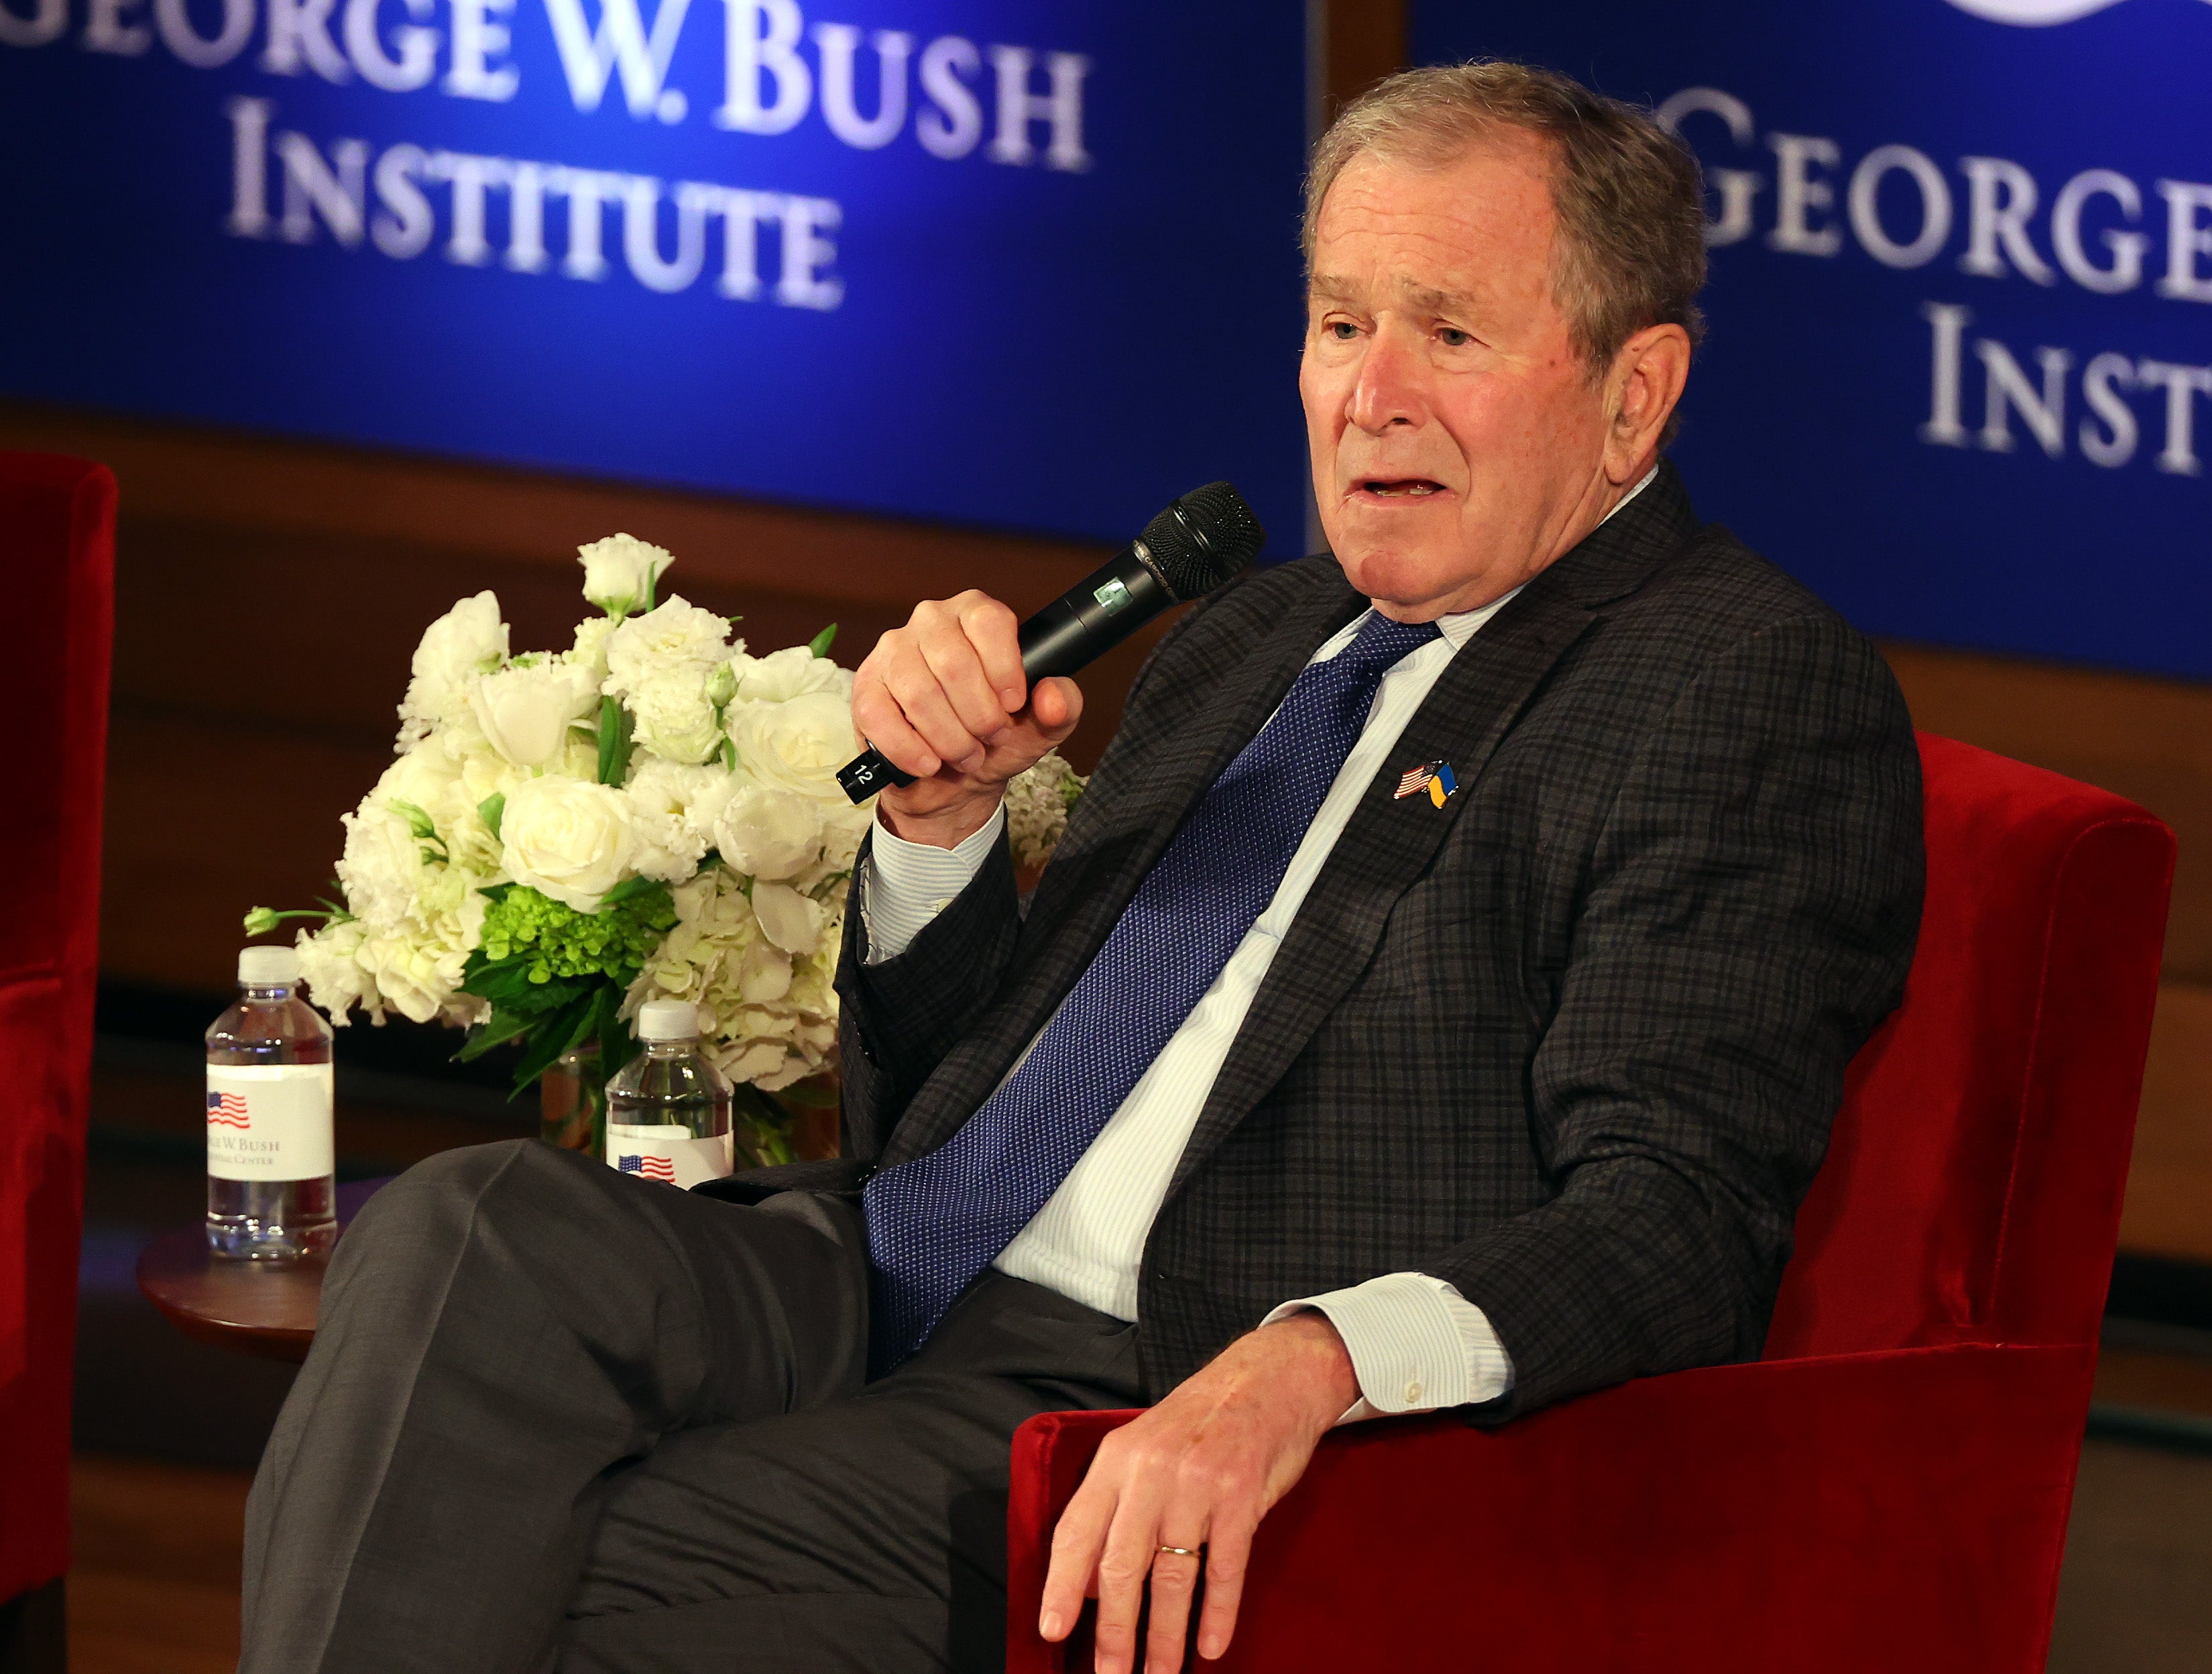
column 1435, row 777
column 1413, row 779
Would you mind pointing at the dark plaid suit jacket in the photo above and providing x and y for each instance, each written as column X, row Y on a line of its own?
column 1572, row 1042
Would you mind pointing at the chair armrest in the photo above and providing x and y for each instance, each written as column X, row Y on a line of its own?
column 1903, row 1511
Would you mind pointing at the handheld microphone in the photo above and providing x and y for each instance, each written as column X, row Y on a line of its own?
column 1193, row 546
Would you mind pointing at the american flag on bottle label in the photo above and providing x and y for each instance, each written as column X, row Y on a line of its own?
column 269, row 1120
column 669, row 1154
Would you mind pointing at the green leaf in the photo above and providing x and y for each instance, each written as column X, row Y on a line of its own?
column 497, row 1030
column 419, row 822
column 492, row 810
column 629, row 889
column 554, row 1037
column 820, row 644
column 506, row 984
column 616, row 727
column 617, row 1046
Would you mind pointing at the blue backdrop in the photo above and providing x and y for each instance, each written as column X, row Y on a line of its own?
column 1049, row 285
column 1959, row 375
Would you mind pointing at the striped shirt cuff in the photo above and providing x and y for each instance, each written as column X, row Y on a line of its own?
column 909, row 884
column 1416, row 1344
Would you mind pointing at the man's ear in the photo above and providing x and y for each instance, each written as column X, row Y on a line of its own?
column 1648, row 376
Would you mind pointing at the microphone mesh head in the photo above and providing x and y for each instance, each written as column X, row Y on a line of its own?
column 1204, row 539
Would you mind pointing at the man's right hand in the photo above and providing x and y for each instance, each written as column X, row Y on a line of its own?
column 944, row 699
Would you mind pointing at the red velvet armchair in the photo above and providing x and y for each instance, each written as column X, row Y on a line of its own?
column 1887, row 1489
column 57, row 574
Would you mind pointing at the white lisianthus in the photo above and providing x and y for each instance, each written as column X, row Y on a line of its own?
column 619, row 572
column 467, row 641
column 782, row 675
column 566, row 839
column 669, row 842
column 329, row 966
column 1037, row 804
column 525, row 713
column 381, row 865
column 791, row 921
column 659, row 665
column 798, row 745
column 590, row 650
column 772, row 834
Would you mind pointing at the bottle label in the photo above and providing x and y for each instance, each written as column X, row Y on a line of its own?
column 269, row 1120
column 669, row 1154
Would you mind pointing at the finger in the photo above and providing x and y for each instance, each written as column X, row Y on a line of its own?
column 992, row 629
column 1056, row 706
column 930, row 713
column 960, row 673
column 1175, row 1583
column 1123, row 1568
column 877, row 718
column 1076, row 1540
column 1228, row 1554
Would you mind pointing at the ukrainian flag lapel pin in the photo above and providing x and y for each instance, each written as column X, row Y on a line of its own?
column 1435, row 777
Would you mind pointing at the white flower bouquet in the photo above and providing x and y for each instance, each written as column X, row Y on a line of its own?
column 653, row 812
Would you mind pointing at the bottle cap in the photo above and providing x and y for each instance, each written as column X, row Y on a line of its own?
column 667, row 1019
column 268, row 967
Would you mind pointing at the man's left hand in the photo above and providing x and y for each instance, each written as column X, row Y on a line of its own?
column 1199, row 1470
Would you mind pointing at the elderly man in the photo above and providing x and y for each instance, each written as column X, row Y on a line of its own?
column 1440, row 999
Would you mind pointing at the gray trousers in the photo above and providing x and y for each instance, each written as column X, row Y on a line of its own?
column 556, row 1418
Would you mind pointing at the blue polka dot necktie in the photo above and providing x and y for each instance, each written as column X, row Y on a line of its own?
column 937, row 1221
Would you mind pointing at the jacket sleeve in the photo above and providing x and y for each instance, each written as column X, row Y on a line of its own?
column 899, row 1017
column 1747, row 916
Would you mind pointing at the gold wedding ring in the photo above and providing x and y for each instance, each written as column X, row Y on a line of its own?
column 1184, row 1551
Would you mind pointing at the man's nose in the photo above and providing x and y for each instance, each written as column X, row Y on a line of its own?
column 1390, row 389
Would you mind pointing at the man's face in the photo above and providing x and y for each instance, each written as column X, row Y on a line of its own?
column 1457, row 439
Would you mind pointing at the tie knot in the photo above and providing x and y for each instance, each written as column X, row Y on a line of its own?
column 1381, row 642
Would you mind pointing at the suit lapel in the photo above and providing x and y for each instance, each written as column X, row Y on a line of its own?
column 1389, row 841
column 1144, row 789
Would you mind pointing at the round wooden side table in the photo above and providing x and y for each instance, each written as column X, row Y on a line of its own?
column 254, row 1307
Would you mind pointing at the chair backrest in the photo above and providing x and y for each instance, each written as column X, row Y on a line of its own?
column 57, row 571
column 1972, row 1191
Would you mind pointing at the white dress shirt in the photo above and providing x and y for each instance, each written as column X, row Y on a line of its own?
column 1415, row 1344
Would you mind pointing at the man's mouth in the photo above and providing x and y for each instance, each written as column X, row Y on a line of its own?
column 1400, row 488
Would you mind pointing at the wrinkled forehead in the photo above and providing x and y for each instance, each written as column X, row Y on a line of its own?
column 1432, row 233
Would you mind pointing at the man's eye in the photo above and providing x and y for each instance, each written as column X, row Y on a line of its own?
column 1343, row 330
column 1454, row 337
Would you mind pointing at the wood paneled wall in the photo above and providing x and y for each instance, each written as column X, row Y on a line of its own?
column 269, row 594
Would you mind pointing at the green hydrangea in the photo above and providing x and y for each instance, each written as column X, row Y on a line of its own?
column 559, row 941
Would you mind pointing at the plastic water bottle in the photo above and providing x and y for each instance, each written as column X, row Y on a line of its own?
column 270, row 1192
column 668, row 1108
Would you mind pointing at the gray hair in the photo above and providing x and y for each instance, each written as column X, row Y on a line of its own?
column 1627, row 193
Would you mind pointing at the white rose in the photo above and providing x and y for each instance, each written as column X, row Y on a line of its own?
column 770, row 833
column 619, row 572
column 568, row 839
column 468, row 640
column 782, row 675
column 526, row 712
column 790, row 920
column 796, row 746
